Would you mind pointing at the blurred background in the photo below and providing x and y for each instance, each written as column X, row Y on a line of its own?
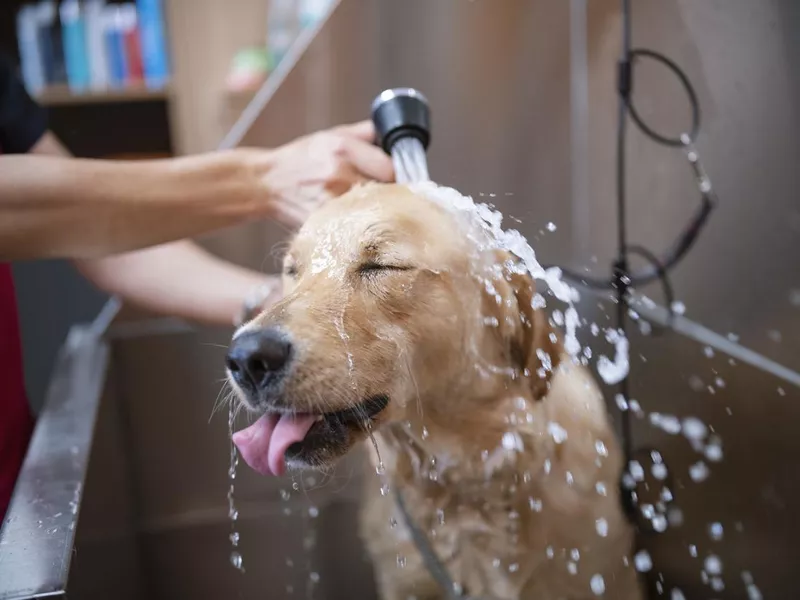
column 524, row 113
column 83, row 60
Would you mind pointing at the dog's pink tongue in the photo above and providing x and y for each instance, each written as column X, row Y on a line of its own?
column 264, row 444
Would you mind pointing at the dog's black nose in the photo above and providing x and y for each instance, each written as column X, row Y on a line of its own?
column 256, row 356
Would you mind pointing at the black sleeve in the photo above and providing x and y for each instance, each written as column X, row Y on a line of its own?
column 22, row 121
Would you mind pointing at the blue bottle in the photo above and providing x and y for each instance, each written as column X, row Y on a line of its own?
column 73, row 27
column 155, row 63
column 115, row 46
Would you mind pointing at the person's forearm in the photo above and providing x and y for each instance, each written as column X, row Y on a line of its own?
column 179, row 279
column 72, row 208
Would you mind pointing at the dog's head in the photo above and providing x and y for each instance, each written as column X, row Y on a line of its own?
column 393, row 310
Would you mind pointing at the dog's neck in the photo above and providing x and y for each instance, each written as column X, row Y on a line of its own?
column 497, row 451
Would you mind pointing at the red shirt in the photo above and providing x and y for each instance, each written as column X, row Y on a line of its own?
column 16, row 422
column 22, row 124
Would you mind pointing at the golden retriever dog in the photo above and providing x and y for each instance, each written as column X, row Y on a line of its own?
column 403, row 328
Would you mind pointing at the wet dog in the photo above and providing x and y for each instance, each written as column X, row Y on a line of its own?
column 402, row 321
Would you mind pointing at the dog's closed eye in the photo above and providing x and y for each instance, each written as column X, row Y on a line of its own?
column 375, row 268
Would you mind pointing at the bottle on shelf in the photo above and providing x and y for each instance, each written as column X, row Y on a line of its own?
column 153, row 44
column 95, row 44
column 73, row 26
column 33, row 74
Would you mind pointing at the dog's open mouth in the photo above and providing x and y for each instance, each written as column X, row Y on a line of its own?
column 266, row 444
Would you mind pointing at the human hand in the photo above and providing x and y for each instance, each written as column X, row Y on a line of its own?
column 302, row 174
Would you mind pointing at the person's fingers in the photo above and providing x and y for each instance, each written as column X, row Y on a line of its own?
column 369, row 160
column 363, row 130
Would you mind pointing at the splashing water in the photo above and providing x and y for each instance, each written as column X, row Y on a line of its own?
column 484, row 229
column 598, row 585
column 642, row 561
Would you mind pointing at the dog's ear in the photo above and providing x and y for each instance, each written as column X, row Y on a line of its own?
column 533, row 345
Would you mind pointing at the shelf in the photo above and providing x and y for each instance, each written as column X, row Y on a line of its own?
column 61, row 95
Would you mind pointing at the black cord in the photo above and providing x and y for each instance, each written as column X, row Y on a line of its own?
column 622, row 278
column 627, row 108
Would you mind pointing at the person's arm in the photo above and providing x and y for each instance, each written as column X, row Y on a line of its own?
column 180, row 279
column 75, row 208
column 56, row 207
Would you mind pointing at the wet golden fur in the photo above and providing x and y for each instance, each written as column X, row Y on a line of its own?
column 500, row 444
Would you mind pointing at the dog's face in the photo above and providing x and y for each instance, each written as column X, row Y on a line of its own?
column 390, row 311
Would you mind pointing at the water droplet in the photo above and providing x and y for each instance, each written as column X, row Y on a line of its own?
column 551, row 226
column 549, row 552
column 675, row 516
column 696, row 383
column 236, row 560
column 636, row 470
column 313, row 512
column 572, row 568
column 692, row 550
column 713, row 565
column 708, row 351
column 677, row 594
column 775, row 336
column 678, row 307
column 659, row 523
column 380, row 469
column 753, row 593
column 781, row 391
column 694, row 429
column 513, row 567
column 234, row 515
column 659, row 471
column 392, row 522
column 401, row 561
column 719, row 382
column 512, row 441
column 713, row 452
column 440, row 516
column 425, row 433
column 314, row 577
column 601, row 525
column 642, row 561
column 575, row 554
column 622, row 403
column 598, row 585
column 698, row 472
column 384, row 489
column 290, row 589
column 289, row 563
column 600, row 487
column 535, row 504
column 715, row 531
column 234, row 537
column 285, row 495
column 600, row 448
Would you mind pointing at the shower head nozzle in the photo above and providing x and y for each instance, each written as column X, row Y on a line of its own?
column 399, row 113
